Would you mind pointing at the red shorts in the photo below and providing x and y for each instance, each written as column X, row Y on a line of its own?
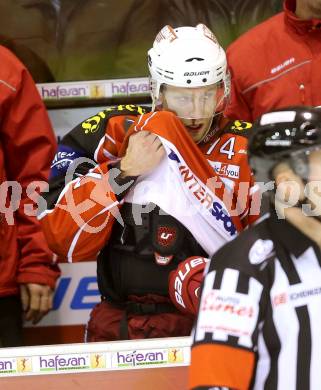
column 105, row 319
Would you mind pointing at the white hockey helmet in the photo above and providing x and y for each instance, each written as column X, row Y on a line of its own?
column 187, row 57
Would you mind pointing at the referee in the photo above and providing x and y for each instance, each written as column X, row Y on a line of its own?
column 259, row 320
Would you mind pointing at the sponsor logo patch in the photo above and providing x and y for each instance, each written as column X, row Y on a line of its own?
column 63, row 158
column 224, row 314
column 227, row 170
column 215, row 301
column 241, row 125
column 297, row 296
column 203, row 195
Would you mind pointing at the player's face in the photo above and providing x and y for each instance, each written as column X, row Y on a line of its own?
column 194, row 106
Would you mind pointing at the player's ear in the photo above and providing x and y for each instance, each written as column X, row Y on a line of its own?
column 288, row 183
column 282, row 172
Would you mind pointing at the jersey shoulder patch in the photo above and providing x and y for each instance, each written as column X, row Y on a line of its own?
column 87, row 135
column 98, row 121
column 238, row 127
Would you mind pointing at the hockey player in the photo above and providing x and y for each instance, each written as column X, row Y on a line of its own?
column 178, row 146
column 260, row 308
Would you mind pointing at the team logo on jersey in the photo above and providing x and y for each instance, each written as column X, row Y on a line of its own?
column 62, row 160
column 166, row 236
column 260, row 251
column 240, row 125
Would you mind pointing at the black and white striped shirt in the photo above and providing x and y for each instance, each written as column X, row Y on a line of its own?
column 259, row 321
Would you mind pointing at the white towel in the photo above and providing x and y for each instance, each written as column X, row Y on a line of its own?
column 176, row 189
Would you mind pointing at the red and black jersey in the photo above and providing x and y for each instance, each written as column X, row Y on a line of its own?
column 82, row 202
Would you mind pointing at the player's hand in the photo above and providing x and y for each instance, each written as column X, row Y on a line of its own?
column 37, row 300
column 144, row 152
column 184, row 283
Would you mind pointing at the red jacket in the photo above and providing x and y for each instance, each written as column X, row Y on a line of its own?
column 275, row 64
column 27, row 145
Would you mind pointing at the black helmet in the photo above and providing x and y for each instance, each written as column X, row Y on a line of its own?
column 288, row 134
